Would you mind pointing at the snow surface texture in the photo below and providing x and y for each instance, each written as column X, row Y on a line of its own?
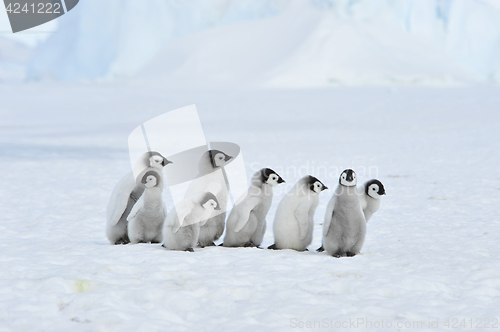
column 13, row 59
column 277, row 43
column 431, row 250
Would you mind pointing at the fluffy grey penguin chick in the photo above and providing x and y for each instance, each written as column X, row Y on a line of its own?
column 344, row 229
column 212, row 161
column 246, row 223
column 294, row 220
column 369, row 195
column 182, row 227
column 124, row 196
column 146, row 218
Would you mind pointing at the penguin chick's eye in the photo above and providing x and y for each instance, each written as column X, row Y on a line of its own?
column 273, row 177
column 373, row 189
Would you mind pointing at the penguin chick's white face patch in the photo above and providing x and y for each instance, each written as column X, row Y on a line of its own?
column 156, row 161
column 210, row 204
column 150, row 181
column 348, row 178
column 373, row 191
column 220, row 159
column 317, row 187
column 272, row 180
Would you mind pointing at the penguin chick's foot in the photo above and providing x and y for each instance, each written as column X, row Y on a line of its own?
column 189, row 249
column 320, row 249
column 273, row 247
column 122, row 241
column 337, row 255
column 249, row 245
column 211, row 245
column 350, row 254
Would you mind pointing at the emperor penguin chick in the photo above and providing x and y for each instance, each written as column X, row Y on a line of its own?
column 182, row 227
column 369, row 195
column 246, row 224
column 146, row 218
column 344, row 229
column 125, row 195
column 294, row 220
column 214, row 181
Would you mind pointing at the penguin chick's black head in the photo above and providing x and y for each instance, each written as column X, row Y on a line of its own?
column 266, row 173
column 165, row 161
column 311, row 180
column 349, row 176
column 381, row 189
column 208, row 196
column 148, row 173
column 213, row 155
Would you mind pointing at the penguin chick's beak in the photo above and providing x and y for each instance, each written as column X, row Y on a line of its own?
column 217, row 208
column 166, row 162
column 228, row 158
column 280, row 180
column 324, row 188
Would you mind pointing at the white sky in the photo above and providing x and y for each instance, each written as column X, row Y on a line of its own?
column 31, row 36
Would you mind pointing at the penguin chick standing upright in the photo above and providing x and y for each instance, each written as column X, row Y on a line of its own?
column 145, row 221
column 344, row 229
column 369, row 195
column 125, row 195
column 182, row 227
column 294, row 220
column 214, row 181
column 246, row 224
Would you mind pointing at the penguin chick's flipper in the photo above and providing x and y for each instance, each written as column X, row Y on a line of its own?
column 320, row 249
column 273, row 247
column 221, row 245
column 189, row 249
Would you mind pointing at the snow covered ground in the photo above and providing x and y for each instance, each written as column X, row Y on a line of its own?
column 431, row 251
